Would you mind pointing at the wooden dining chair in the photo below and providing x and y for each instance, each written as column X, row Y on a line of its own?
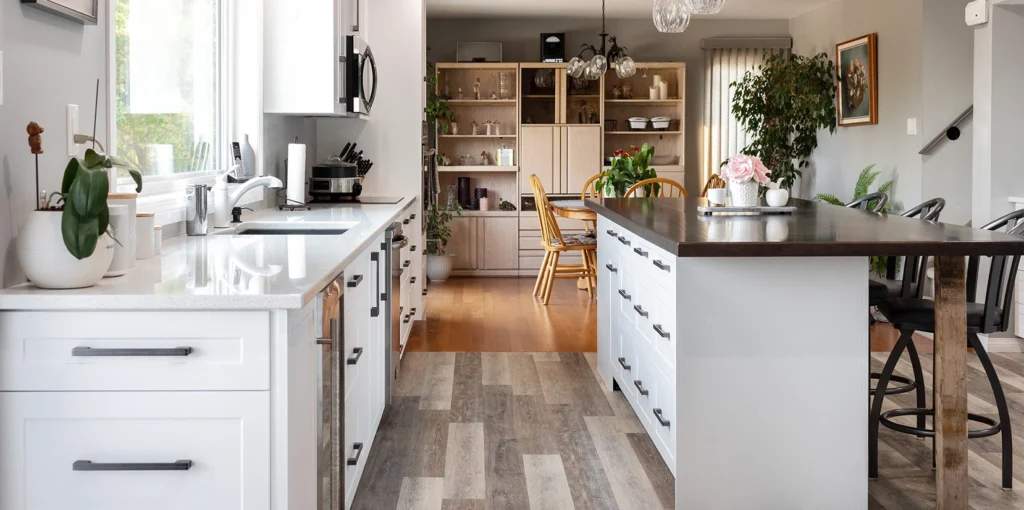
column 714, row 182
column 657, row 187
column 590, row 191
column 555, row 244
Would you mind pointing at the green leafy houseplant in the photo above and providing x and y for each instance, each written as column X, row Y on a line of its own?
column 864, row 181
column 782, row 105
column 438, row 231
column 627, row 169
column 437, row 109
column 84, row 191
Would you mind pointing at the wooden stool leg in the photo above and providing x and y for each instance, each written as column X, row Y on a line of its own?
column 588, row 268
column 540, row 276
column 551, row 279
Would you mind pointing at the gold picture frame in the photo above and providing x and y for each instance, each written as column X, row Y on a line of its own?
column 857, row 89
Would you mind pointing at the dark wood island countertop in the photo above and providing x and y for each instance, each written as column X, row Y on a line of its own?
column 814, row 230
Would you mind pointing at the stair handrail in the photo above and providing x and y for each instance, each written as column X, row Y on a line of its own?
column 938, row 138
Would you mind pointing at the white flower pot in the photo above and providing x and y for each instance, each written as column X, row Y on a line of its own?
column 439, row 267
column 744, row 194
column 47, row 262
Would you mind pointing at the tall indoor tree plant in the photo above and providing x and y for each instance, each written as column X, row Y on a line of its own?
column 783, row 104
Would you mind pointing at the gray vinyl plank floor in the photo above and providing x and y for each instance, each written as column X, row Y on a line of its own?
column 537, row 430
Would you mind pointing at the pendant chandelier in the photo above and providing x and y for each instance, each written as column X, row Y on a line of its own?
column 672, row 16
column 594, row 68
column 705, row 6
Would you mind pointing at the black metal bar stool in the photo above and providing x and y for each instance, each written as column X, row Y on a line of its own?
column 991, row 316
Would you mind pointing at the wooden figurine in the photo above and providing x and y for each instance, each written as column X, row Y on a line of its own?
column 494, row 95
column 497, row 128
column 476, row 89
column 485, row 158
column 460, row 94
column 454, row 127
column 627, row 91
column 476, row 129
column 35, row 141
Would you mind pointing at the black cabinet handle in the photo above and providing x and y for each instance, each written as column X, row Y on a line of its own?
column 405, row 221
column 357, row 352
column 661, row 332
column 88, row 465
column 355, row 281
column 93, row 352
column 412, row 217
column 661, row 265
column 622, row 361
column 640, row 252
column 406, row 319
column 611, row 268
column 413, row 249
column 612, row 233
column 624, row 295
column 412, row 280
column 412, row 311
column 639, row 309
column 375, row 311
column 640, row 386
column 624, row 241
column 407, row 263
column 375, row 258
column 358, row 449
column 661, row 419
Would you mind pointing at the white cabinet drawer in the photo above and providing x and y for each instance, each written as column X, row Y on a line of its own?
column 141, row 351
column 226, row 437
column 640, row 384
column 663, row 416
column 625, row 363
column 624, row 295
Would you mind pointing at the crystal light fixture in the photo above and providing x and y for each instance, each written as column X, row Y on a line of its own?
column 671, row 16
column 598, row 64
column 705, row 6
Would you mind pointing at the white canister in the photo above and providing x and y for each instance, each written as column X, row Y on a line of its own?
column 158, row 240
column 131, row 201
column 122, row 224
column 144, row 224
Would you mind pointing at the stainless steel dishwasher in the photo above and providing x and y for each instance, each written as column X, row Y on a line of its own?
column 330, row 398
column 394, row 241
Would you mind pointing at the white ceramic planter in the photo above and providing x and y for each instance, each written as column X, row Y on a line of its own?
column 439, row 267
column 744, row 194
column 47, row 262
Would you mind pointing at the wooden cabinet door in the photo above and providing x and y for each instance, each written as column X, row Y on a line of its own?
column 583, row 156
column 463, row 242
column 499, row 243
column 539, row 155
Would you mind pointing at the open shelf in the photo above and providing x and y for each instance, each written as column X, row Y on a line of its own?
column 490, row 213
column 477, row 136
column 478, row 168
column 643, row 133
column 538, row 96
column 481, row 102
column 652, row 102
column 584, row 96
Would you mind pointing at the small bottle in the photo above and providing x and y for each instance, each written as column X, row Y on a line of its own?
column 42, row 200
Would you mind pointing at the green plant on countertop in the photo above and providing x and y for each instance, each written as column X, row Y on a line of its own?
column 627, row 169
column 84, row 193
column 783, row 104
column 438, row 231
column 437, row 109
column 864, row 181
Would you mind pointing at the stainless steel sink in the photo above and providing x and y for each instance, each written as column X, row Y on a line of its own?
column 298, row 228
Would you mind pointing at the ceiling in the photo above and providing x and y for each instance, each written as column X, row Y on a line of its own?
column 765, row 9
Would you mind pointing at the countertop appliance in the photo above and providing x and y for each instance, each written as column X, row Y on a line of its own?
column 335, row 179
column 394, row 241
column 330, row 398
column 360, row 76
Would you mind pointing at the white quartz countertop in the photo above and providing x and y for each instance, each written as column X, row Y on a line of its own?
column 228, row 272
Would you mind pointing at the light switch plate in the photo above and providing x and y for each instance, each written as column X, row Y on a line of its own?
column 72, row 129
column 911, row 126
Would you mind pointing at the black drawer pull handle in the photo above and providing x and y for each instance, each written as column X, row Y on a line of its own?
column 622, row 361
column 624, row 241
column 355, row 281
column 406, row 319
column 357, row 352
column 358, row 449
column 88, row 465
column 412, row 311
column 661, row 332
column 640, row 252
column 640, row 386
column 412, row 280
column 406, row 221
column 639, row 309
column 624, row 295
column 612, row 233
column 407, row 263
column 412, row 217
column 375, row 311
column 661, row 419
column 611, row 268
column 413, row 249
column 93, row 352
column 661, row 265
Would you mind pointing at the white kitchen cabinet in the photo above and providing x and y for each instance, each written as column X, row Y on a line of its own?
column 88, row 450
column 303, row 55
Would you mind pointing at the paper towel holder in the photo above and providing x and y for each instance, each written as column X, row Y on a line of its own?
column 289, row 203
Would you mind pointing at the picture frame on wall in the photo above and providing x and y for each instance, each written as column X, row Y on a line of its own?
column 85, row 12
column 857, row 92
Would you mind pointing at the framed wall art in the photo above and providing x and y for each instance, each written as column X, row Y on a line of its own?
column 857, row 95
column 83, row 11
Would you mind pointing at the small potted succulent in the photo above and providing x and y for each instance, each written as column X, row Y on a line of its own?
column 439, row 261
column 745, row 175
column 69, row 245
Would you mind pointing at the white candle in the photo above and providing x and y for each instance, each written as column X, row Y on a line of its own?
column 654, row 92
column 663, row 86
column 657, row 80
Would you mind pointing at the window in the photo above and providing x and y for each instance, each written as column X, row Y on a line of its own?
column 169, row 105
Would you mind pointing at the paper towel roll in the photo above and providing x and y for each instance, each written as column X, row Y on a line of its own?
column 296, row 182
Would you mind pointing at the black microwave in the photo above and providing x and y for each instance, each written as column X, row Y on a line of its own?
column 360, row 77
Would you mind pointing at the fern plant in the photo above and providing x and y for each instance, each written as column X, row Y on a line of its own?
column 864, row 181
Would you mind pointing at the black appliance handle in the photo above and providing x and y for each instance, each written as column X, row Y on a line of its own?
column 368, row 98
column 375, row 258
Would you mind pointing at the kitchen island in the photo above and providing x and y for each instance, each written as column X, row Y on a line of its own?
column 742, row 344
column 233, row 371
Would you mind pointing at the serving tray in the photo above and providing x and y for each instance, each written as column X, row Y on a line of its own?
column 754, row 209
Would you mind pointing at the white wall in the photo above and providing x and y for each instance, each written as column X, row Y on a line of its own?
column 520, row 38
column 839, row 158
column 48, row 62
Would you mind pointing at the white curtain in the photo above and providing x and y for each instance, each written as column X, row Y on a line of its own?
column 723, row 137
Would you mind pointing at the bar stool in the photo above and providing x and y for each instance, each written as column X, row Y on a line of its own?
column 991, row 316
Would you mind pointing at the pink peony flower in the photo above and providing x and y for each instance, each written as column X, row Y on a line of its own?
column 743, row 168
column 760, row 171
